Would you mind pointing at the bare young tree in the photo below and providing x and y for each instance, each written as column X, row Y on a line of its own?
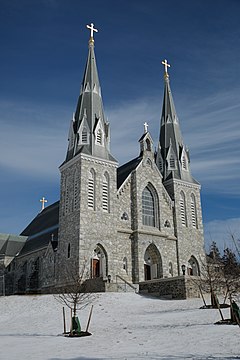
column 75, row 296
column 212, row 273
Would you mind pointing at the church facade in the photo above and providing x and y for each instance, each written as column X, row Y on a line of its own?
column 137, row 223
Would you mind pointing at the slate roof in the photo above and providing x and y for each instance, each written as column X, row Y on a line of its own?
column 124, row 170
column 89, row 114
column 40, row 230
column 171, row 139
column 185, row 177
column 10, row 244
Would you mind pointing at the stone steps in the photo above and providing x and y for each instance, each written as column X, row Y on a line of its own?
column 120, row 287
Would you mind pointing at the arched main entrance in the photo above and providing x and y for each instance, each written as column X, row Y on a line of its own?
column 152, row 263
column 99, row 262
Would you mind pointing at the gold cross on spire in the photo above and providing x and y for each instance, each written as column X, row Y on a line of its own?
column 91, row 28
column 43, row 201
column 166, row 65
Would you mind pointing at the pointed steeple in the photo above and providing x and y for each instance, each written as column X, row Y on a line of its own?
column 89, row 131
column 172, row 155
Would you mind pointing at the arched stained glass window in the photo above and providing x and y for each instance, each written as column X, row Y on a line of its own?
column 148, row 209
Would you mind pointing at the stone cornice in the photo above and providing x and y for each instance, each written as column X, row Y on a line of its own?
column 125, row 231
column 181, row 183
column 144, row 232
column 90, row 158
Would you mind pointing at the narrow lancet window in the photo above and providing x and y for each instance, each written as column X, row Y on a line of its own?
column 148, row 145
column 91, row 189
column 69, row 251
column 84, row 136
column 183, row 209
column 76, row 191
column 184, row 162
column 66, row 202
column 99, row 137
column 172, row 162
column 105, row 192
column 193, row 212
column 125, row 264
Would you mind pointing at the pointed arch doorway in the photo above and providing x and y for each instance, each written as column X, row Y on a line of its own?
column 99, row 262
column 193, row 267
column 152, row 263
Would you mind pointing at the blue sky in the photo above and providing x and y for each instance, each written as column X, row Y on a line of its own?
column 44, row 45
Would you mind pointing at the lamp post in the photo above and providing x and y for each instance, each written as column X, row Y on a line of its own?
column 183, row 269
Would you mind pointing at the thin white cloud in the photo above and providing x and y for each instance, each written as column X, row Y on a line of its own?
column 210, row 128
column 127, row 121
column 33, row 138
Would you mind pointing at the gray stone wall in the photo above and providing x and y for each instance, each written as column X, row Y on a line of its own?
column 97, row 226
column 161, row 236
column 172, row 288
column 124, row 234
column 190, row 239
column 69, row 220
column 85, row 228
column 32, row 272
column 28, row 272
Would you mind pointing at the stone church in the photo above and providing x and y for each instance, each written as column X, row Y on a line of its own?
column 137, row 224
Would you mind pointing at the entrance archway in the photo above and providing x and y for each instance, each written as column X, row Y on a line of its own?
column 193, row 267
column 99, row 262
column 152, row 263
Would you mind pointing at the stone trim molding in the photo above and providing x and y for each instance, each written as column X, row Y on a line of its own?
column 182, row 182
column 95, row 160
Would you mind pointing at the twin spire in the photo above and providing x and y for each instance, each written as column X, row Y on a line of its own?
column 89, row 131
column 90, row 134
column 172, row 156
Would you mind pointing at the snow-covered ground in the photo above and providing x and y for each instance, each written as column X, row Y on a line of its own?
column 123, row 326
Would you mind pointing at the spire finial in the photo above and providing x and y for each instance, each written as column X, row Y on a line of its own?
column 166, row 65
column 92, row 29
column 43, row 201
column 145, row 127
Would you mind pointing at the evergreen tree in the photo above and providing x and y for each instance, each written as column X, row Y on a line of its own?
column 231, row 271
column 231, row 265
column 214, row 251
